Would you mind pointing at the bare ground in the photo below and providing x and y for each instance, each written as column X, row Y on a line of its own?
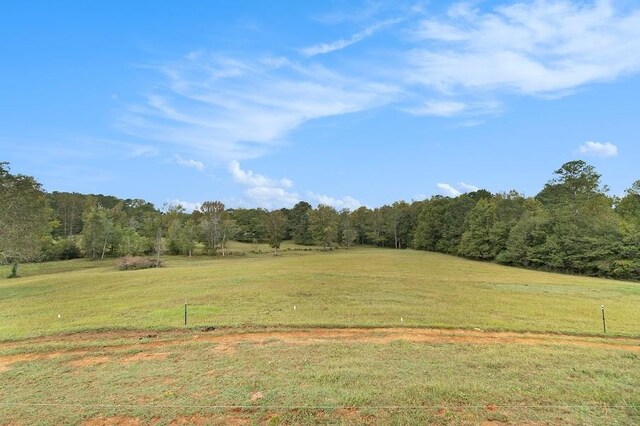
column 227, row 341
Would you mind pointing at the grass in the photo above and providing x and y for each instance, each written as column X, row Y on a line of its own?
column 200, row 381
column 184, row 377
column 344, row 288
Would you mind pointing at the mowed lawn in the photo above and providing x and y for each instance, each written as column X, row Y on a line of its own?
column 281, row 352
column 361, row 287
column 205, row 378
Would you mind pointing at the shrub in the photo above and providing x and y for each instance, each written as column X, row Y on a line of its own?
column 67, row 249
column 131, row 263
column 62, row 249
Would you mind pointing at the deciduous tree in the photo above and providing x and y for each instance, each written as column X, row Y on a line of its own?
column 24, row 217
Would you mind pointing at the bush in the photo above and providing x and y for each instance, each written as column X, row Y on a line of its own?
column 67, row 249
column 131, row 263
column 63, row 249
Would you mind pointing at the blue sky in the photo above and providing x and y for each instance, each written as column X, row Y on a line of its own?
column 345, row 103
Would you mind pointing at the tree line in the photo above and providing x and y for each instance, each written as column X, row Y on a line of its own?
column 572, row 225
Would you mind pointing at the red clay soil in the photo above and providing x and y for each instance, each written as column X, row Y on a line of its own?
column 226, row 341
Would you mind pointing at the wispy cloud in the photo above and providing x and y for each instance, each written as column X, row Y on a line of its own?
column 438, row 108
column 463, row 63
column 448, row 189
column 451, row 108
column 322, row 48
column 468, row 187
column 138, row 151
column 531, row 47
column 598, row 149
column 194, row 164
column 454, row 191
column 232, row 108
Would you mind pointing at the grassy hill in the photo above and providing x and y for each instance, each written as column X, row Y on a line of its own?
column 308, row 337
column 362, row 287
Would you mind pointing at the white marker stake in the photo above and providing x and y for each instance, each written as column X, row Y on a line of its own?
column 294, row 307
column 401, row 319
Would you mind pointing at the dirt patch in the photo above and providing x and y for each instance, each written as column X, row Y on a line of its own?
column 7, row 361
column 146, row 356
column 224, row 348
column 255, row 396
column 199, row 420
column 113, row 421
column 419, row 335
column 227, row 343
column 350, row 413
column 89, row 361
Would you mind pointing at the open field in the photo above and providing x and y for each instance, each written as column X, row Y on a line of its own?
column 477, row 343
column 344, row 288
column 326, row 376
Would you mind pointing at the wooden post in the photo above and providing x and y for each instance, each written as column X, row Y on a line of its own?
column 604, row 322
column 185, row 313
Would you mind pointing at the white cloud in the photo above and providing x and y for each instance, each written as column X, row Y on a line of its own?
column 194, row 164
column 138, row 151
column 264, row 191
column 271, row 193
column 451, row 108
column 468, row 187
column 457, row 64
column 438, row 108
column 448, row 189
column 454, row 191
column 598, row 149
column 529, row 47
column 345, row 202
column 249, row 178
column 233, row 108
column 270, row 198
column 322, row 48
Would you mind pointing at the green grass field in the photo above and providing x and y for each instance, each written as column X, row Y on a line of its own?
column 344, row 288
column 534, row 351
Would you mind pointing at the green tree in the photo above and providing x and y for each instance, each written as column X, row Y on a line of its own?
column 629, row 206
column 250, row 224
column 129, row 242
column 455, row 213
column 361, row 220
column 24, row 217
column 275, row 224
column 98, row 231
column 228, row 230
column 174, row 237
column 399, row 223
column 430, row 223
column 189, row 237
column 347, row 231
column 477, row 241
column 376, row 233
column 323, row 225
column 299, row 223
column 527, row 243
column 573, row 182
column 182, row 237
column 488, row 224
column 68, row 209
column 210, row 223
